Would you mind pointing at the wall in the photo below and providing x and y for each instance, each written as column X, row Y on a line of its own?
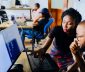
column 57, row 4
column 11, row 3
column 79, row 5
column 43, row 3
column 7, row 3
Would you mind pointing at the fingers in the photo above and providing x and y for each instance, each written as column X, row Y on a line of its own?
column 36, row 55
column 74, row 46
column 40, row 53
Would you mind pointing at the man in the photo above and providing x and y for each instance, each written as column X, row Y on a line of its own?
column 77, row 48
column 35, row 12
column 63, row 36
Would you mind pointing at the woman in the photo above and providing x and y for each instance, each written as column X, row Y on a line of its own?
column 63, row 35
column 38, row 25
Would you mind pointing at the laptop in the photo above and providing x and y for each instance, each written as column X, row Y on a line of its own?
column 10, row 47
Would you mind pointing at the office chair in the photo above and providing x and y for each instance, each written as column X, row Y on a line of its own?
column 38, row 37
column 51, row 20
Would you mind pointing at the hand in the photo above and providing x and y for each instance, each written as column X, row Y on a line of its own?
column 40, row 53
column 74, row 46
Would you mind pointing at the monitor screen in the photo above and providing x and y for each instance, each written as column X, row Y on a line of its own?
column 5, row 61
column 10, row 47
column 13, row 50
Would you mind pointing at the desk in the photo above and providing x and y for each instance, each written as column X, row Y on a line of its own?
column 24, row 61
column 9, row 23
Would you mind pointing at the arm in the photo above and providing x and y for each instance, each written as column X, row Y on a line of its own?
column 48, row 43
column 79, row 62
column 37, row 19
column 43, row 50
column 35, row 22
column 73, row 67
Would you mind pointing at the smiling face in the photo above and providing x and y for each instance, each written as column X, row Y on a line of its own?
column 68, row 23
column 81, row 35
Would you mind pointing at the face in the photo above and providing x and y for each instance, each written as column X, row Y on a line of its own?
column 35, row 7
column 81, row 35
column 68, row 23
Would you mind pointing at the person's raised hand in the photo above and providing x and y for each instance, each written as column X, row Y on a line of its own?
column 40, row 53
column 74, row 46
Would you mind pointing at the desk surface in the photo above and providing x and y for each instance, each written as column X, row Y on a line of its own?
column 23, row 60
column 20, row 8
column 9, row 23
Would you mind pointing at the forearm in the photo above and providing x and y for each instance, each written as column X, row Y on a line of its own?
column 35, row 24
column 80, row 62
column 36, row 19
column 48, row 43
column 73, row 67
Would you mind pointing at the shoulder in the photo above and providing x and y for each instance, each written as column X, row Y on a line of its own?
column 44, row 20
column 58, row 29
column 39, row 10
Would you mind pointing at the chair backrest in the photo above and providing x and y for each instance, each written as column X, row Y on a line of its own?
column 51, row 20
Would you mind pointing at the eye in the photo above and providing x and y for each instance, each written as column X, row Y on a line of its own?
column 70, row 23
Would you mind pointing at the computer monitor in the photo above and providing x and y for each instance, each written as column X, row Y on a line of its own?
column 10, row 47
column 5, row 61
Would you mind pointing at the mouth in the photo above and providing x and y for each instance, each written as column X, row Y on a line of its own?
column 65, row 30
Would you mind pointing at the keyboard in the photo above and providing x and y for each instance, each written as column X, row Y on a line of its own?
column 48, row 65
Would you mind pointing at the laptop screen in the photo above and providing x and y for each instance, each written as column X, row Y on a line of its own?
column 5, row 61
column 10, row 47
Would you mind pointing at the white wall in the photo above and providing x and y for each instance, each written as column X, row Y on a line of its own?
column 57, row 4
column 11, row 3
column 43, row 3
column 79, row 5
column 7, row 3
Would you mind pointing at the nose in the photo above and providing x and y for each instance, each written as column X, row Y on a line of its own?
column 65, row 25
column 78, row 41
column 77, row 38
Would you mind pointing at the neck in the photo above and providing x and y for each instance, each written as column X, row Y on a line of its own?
column 71, row 32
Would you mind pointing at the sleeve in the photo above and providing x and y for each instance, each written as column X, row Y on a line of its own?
column 52, row 33
column 40, row 22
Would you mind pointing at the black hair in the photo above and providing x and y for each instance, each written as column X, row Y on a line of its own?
column 2, row 7
column 73, row 13
column 37, row 4
column 45, row 13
